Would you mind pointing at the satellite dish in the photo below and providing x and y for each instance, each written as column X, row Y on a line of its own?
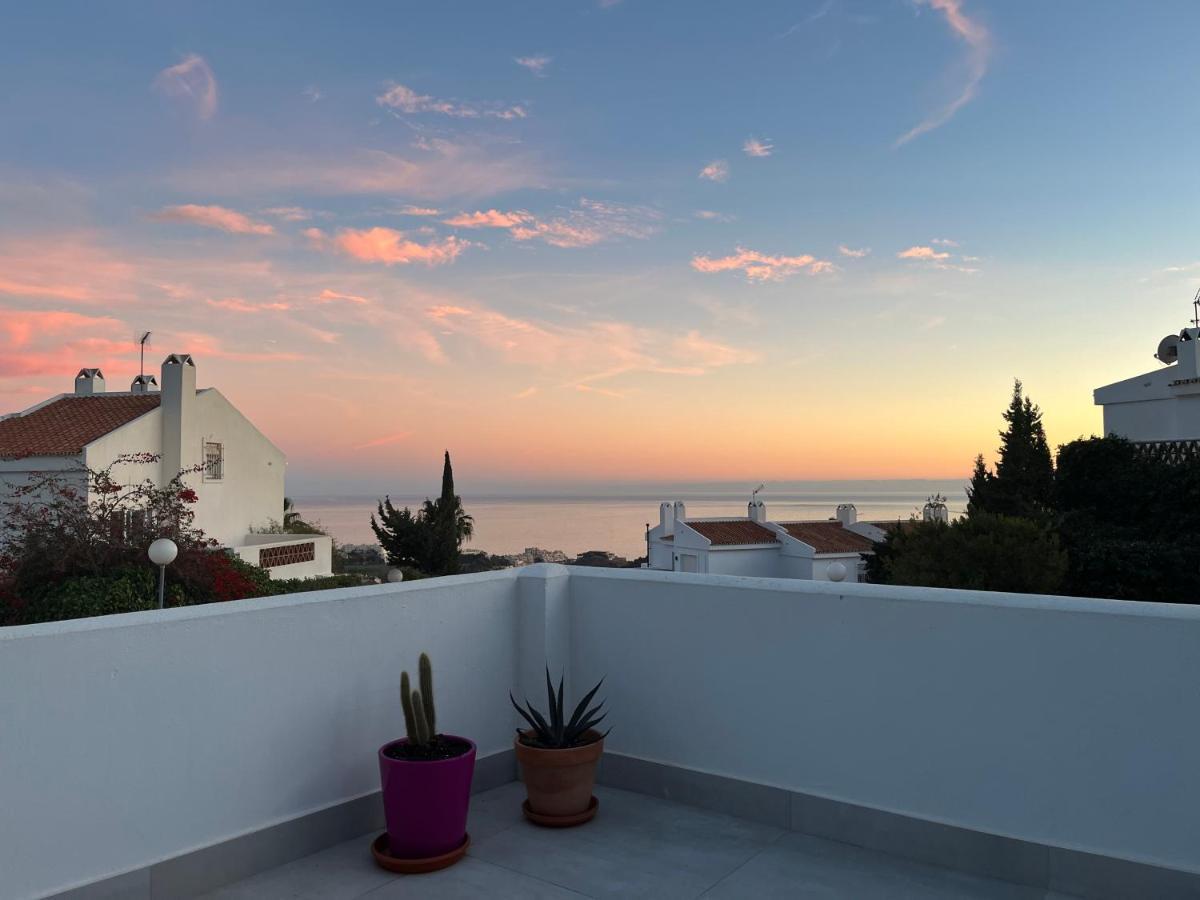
column 1168, row 349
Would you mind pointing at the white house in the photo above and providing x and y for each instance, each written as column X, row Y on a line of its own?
column 826, row 550
column 241, row 473
column 1163, row 405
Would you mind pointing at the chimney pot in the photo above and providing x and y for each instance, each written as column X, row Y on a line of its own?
column 89, row 381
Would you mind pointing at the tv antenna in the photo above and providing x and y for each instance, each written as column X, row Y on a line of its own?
column 1196, row 309
column 754, row 493
column 145, row 337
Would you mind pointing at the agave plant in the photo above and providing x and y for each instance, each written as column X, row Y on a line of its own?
column 555, row 732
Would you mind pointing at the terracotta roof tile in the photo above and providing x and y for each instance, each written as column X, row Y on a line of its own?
column 732, row 532
column 65, row 426
column 828, row 537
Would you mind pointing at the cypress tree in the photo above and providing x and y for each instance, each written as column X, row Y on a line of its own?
column 1023, row 484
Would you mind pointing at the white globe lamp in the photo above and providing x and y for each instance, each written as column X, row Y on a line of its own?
column 395, row 575
column 836, row 571
column 162, row 553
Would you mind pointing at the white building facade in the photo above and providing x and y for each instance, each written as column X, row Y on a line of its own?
column 1163, row 405
column 829, row 550
column 235, row 470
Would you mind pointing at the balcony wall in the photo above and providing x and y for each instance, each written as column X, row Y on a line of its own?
column 127, row 740
column 1061, row 721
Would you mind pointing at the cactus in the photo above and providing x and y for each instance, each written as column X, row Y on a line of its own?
column 419, row 717
column 426, row 676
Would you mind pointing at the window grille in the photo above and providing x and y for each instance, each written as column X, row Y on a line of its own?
column 214, row 462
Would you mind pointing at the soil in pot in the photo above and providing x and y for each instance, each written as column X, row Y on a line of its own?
column 441, row 747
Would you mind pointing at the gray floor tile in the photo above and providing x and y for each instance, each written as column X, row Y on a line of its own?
column 471, row 878
column 806, row 867
column 344, row 872
column 495, row 810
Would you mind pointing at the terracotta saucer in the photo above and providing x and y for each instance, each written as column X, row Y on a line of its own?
column 561, row 821
column 379, row 849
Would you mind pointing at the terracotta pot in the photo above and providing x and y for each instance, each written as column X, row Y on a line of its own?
column 559, row 782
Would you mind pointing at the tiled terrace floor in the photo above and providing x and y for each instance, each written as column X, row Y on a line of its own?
column 636, row 846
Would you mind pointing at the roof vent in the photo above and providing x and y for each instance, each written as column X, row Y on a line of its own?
column 179, row 359
column 143, row 384
column 89, row 381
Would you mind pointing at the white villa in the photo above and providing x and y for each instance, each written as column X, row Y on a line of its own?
column 1159, row 406
column 825, row 550
column 241, row 473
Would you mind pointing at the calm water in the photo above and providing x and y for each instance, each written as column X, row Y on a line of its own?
column 618, row 523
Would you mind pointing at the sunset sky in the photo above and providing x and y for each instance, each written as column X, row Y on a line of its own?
column 587, row 242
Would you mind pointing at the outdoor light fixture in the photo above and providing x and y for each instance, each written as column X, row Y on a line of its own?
column 162, row 553
column 395, row 575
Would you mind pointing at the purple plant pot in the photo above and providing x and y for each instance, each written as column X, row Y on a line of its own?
column 425, row 803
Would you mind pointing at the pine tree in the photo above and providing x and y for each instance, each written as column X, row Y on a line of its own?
column 1023, row 484
column 429, row 540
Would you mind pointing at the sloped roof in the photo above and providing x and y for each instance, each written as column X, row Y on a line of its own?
column 733, row 532
column 65, row 426
column 828, row 537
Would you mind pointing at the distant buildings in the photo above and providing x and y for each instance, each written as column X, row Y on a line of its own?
column 825, row 550
column 239, row 482
column 1159, row 406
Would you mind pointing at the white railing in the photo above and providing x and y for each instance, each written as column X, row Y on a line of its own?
column 139, row 737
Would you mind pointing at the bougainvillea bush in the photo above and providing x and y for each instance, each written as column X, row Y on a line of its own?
column 73, row 543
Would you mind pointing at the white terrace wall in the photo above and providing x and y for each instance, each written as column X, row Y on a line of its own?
column 134, row 738
column 1068, row 722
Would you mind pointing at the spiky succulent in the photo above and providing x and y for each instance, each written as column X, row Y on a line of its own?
column 419, row 718
column 554, row 732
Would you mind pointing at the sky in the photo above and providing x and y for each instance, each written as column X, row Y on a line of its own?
column 583, row 242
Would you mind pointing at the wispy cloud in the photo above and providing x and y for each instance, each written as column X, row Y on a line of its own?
column 815, row 16
column 406, row 100
column 761, row 266
column 717, row 170
column 920, row 252
column 331, row 296
column 385, row 440
column 709, row 215
column 238, row 305
column 440, row 170
column 535, row 64
column 388, row 246
column 65, row 267
column 411, row 210
column 218, row 217
column 591, row 222
column 978, row 42
column 190, row 81
column 755, row 147
column 52, row 342
column 852, row 252
column 944, row 242
column 289, row 213
column 313, row 93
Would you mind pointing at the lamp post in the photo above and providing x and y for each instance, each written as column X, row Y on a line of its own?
column 162, row 553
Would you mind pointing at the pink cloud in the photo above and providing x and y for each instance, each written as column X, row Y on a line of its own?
column 852, row 252
column 68, row 267
column 238, row 305
column 217, row 217
column 419, row 211
column 385, row 440
column 190, row 81
column 47, row 342
column 754, row 147
column 717, row 170
column 535, row 64
column 491, row 218
column 922, row 253
column 390, row 247
column 591, row 222
column 405, row 99
column 760, row 266
column 978, row 42
column 330, row 296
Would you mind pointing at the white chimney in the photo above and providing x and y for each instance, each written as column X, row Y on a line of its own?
column 666, row 518
column 756, row 510
column 680, row 511
column 180, row 436
column 89, row 381
column 1189, row 353
column 143, row 384
column 847, row 514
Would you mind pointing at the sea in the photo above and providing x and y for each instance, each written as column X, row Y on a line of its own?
column 597, row 520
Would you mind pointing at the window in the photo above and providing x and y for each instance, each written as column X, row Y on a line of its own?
column 214, row 462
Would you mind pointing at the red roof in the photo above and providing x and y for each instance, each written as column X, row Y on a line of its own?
column 732, row 532
column 65, row 426
column 828, row 537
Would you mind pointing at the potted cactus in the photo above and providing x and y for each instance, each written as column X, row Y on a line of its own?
column 426, row 780
column 558, row 758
